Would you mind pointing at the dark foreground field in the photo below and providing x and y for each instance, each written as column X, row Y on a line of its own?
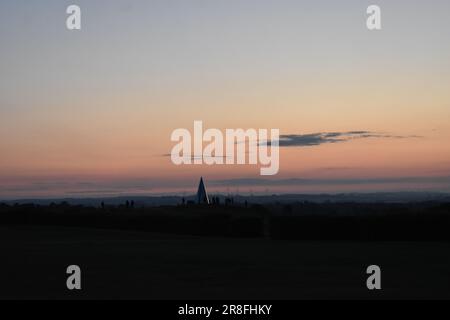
column 130, row 264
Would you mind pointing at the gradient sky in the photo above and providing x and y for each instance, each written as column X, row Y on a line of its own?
column 90, row 112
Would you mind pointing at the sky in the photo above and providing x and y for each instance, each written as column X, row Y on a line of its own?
column 90, row 112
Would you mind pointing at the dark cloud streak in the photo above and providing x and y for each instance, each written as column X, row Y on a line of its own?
column 316, row 139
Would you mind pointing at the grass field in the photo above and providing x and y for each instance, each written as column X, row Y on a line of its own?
column 138, row 265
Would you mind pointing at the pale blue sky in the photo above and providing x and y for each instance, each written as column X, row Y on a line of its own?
column 169, row 43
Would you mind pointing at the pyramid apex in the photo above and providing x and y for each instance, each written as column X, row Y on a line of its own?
column 202, row 195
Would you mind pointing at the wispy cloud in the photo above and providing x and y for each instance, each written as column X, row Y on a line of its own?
column 318, row 138
column 327, row 182
column 315, row 139
column 199, row 157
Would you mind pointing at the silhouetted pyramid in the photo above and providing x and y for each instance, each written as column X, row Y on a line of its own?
column 202, row 195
